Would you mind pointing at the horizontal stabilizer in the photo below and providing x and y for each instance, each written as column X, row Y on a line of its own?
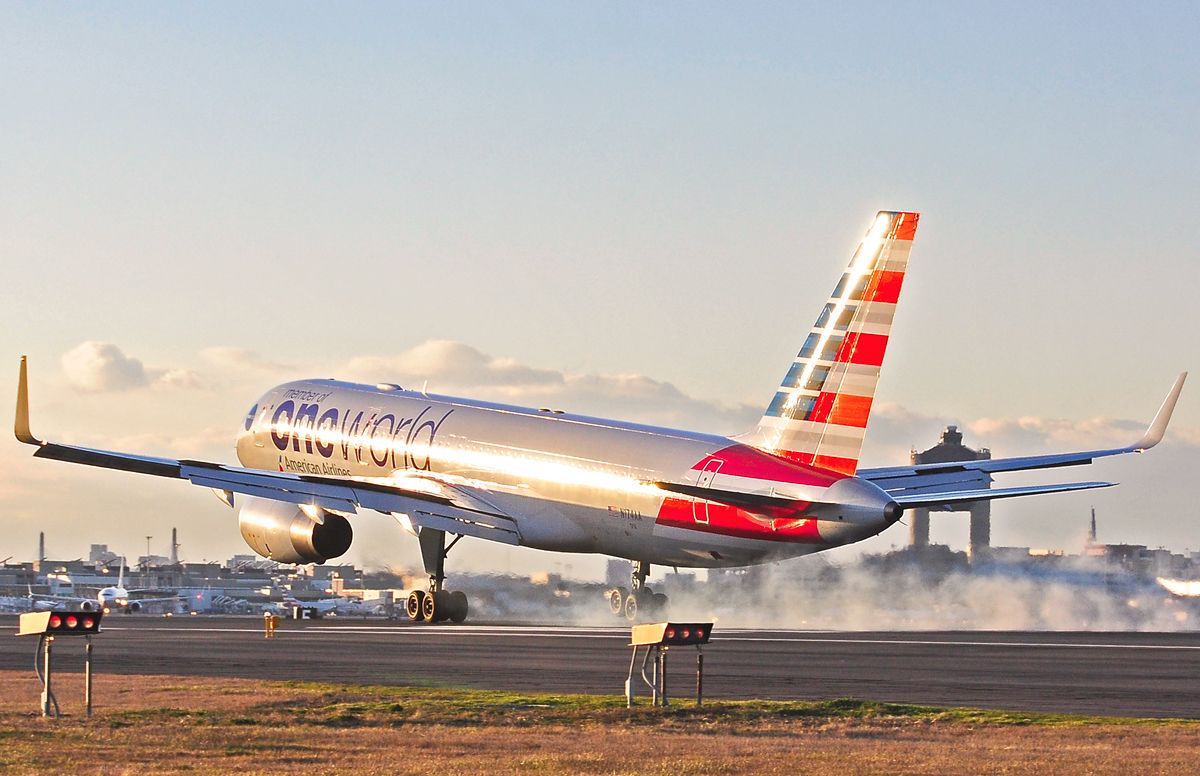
column 733, row 498
column 935, row 500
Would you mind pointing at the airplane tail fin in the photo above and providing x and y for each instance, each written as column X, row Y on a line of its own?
column 819, row 415
column 121, row 573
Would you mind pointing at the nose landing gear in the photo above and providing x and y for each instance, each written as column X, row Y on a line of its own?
column 436, row 604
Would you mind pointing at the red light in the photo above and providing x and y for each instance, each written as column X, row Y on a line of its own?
column 72, row 621
column 55, row 621
column 699, row 633
column 670, row 633
column 88, row 622
column 686, row 633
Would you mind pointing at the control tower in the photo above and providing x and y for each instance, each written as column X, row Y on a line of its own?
column 948, row 450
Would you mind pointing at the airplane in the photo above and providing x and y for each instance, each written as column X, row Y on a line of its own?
column 315, row 452
column 25, row 603
column 325, row 606
column 108, row 599
column 44, row 603
column 116, row 597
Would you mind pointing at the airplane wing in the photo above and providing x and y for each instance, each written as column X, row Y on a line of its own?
column 63, row 601
column 942, row 484
column 170, row 599
column 429, row 502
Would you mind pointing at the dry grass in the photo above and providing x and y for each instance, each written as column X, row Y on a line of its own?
column 172, row 725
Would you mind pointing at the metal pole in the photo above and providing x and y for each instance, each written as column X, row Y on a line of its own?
column 656, row 694
column 629, row 680
column 699, row 676
column 46, row 678
column 87, row 675
column 662, row 656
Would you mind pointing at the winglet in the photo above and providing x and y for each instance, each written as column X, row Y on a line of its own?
column 1158, row 426
column 21, row 426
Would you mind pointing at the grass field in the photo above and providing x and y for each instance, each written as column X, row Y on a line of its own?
column 156, row 724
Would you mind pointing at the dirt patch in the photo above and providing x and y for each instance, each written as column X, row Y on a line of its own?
column 167, row 725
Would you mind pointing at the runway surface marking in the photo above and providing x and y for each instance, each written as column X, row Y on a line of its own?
column 584, row 633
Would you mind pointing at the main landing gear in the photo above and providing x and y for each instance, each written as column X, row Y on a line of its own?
column 639, row 603
column 436, row 604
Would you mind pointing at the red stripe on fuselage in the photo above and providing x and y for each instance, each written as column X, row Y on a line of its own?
column 784, row 524
column 749, row 462
column 731, row 521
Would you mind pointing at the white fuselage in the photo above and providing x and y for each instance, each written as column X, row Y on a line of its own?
column 571, row 483
column 114, row 597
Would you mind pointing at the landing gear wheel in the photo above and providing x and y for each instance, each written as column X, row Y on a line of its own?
column 433, row 608
column 631, row 606
column 658, row 603
column 414, row 607
column 616, row 600
column 438, row 604
column 458, row 606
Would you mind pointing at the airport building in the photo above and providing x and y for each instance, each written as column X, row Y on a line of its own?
column 949, row 449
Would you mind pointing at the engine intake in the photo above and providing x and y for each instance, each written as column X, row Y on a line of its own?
column 282, row 532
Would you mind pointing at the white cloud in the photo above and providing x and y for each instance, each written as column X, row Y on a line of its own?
column 176, row 378
column 233, row 357
column 456, row 368
column 896, row 430
column 1035, row 433
column 95, row 367
column 101, row 366
column 449, row 363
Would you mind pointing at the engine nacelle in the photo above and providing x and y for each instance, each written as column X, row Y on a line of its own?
column 282, row 532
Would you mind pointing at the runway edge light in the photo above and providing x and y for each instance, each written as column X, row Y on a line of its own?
column 670, row 634
column 59, row 623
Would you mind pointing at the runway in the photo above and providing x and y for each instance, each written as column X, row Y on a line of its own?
column 1121, row 674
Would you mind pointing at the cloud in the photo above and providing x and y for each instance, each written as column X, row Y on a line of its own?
column 895, row 430
column 95, row 367
column 176, row 378
column 457, row 368
column 454, row 364
column 233, row 357
column 101, row 366
column 1035, row 433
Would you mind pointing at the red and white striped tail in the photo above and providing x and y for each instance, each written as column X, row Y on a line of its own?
column 819, row 416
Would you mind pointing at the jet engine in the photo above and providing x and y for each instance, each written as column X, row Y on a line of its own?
column 283, row 532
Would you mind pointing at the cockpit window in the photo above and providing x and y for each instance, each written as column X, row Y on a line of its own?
column 250, row 416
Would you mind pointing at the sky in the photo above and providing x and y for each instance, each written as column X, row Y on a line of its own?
column 623, row 209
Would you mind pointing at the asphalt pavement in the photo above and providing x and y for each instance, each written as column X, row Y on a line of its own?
column 1121, row 674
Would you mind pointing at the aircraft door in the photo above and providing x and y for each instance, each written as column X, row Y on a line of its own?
column 703, row 480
